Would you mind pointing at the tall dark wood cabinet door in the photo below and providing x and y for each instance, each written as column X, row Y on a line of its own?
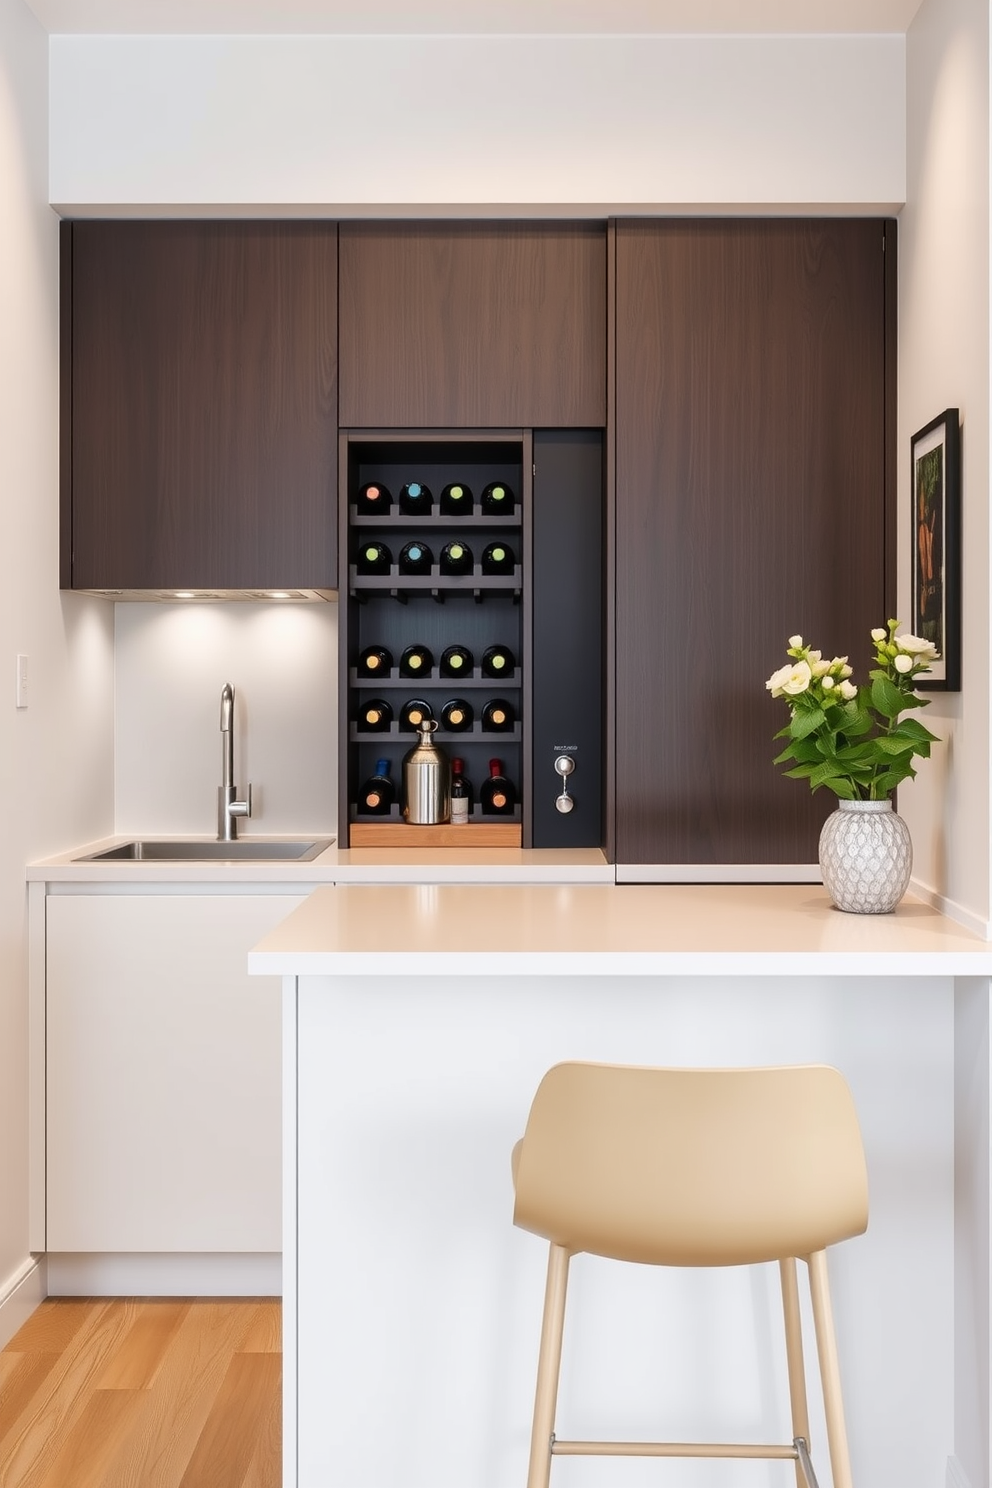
column 203, row 405
column 751, row 480
column 473, row 325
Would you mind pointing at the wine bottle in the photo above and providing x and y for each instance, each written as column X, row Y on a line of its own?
column 458, row 773
column 458, row 715
column 416, row 661
column 461, row 794
column 415, row 499
column 497, row 795
column 373, row 558
column 456, row 661
column 456, row 558
column 378, row 793
column 373, row 500
column 456, row 500
column 498, row 661
column 374, row 717
column 497, row 497
column 413, row 713
column 497, row 716
column 416, row 558
column 375, row 661
column 498, row 559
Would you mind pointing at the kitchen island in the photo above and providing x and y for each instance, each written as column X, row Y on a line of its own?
column 418, row 1021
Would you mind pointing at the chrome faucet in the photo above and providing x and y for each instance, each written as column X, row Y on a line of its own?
column 228, row 807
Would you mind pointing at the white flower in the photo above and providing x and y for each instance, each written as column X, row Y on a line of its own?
column 813, row 655
column 847, row 690
column 911, row 645
column 837, row 666
column 791, row 679
column 828, row 683
column 903, row 664
column 846, row 671
column 879, row 635
column 819, row 668
column 795, row 642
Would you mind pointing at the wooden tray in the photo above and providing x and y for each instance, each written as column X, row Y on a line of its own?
column 400, row 834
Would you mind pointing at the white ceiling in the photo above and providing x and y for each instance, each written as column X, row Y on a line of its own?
column 473, row 17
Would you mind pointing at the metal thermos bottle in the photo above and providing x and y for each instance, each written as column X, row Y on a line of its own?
column 426, row 780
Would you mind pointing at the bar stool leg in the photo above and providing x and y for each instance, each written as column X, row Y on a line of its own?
column 826, row 1347
column 549, row 1363
column 794, row 1355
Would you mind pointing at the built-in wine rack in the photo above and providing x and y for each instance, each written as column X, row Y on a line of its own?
column 396, row 610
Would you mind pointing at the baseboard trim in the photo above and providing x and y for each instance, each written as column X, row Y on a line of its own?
column 951, row 909
column 152, row 1274
column 20, row 1294
column 719, row 873
column 956, row 1476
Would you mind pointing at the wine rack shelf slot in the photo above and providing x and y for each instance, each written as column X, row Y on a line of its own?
column 440, row 520
column 452, row 739
column 476, row 581
column 450, row 685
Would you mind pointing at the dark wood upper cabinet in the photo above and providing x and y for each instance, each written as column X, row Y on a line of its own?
column 199, row 442
column 754, row 478
column 473, row 325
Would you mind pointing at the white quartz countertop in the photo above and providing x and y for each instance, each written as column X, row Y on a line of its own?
column 335, row 865
column 630, row 929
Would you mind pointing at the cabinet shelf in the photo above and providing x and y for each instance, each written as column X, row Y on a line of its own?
column 478, row 520
column 479, row 831
column 451, row 685
column 447, row 737
column 434, row 583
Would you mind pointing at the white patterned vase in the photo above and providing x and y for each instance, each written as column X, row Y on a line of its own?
column 866, row 857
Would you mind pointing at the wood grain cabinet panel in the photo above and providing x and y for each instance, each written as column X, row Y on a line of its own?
column 473, row 325
column 201, row 447
column 751, row 491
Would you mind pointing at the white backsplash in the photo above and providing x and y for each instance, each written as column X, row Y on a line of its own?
column 172, row 661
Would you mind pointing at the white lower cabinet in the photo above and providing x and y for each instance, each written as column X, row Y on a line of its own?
column 163, row 1099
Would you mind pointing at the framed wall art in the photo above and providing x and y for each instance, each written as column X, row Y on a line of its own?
column 935, row 457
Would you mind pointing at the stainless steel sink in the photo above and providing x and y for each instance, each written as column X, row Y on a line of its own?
column 241, row 851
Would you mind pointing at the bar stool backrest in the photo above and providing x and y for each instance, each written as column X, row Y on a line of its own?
column 692, row 1167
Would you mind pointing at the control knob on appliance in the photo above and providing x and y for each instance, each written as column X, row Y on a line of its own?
column 564, row 765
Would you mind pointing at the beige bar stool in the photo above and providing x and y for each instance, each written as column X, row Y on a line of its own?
column 687, row 1167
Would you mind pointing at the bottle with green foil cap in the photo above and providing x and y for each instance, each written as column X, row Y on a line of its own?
column 498, row 558
column 373, row 558
column 456, row 558
column 497, row 498
column 456, row 661
column 456, row 500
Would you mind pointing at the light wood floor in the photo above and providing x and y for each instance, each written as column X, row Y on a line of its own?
column 170, row 1393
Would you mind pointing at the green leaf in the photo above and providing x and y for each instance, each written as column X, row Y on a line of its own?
column 886, row 697
column 843, row 788
column 852, row 754
column 857, row 720
column 893, row 744
column 801, row 772
column 824, row 773
column 887, row 782
column 912, row 728
column 806, row 723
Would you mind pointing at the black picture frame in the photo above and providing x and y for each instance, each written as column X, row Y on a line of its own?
column 935, row 490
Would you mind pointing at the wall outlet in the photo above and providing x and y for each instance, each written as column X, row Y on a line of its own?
column 22, row 682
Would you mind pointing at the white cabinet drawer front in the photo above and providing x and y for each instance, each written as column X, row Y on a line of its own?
column 163, row 1074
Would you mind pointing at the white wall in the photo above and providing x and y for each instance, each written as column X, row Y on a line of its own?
column 944, row 362
column 56, row 757
column 364, row 122
column 171, row 663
